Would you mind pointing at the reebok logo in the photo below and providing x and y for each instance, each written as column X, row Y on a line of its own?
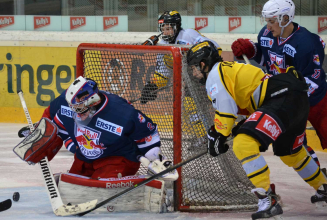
column 109, row 22
column 119, row 185
column 6, row 21
column 269, row 126
column 41, row 22
column 76, row 22
column 322, row 24
column 201, row 23
column 234, row 22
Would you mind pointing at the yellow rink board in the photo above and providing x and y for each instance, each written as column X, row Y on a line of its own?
column 41, row 72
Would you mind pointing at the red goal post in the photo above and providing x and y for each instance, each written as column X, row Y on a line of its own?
column 182, row 113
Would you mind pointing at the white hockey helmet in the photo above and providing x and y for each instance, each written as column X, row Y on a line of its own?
column 82, row 94
column 82, row 97
column 277, row 9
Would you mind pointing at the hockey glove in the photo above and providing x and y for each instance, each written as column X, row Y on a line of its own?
column 235, row 129
column 216, row 142
column 244, row 46
column 153, row 40
column 149, row 92
column 25, row 131
column 156, row 163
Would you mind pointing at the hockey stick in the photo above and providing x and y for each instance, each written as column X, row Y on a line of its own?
column 144, row 182
column 57, row 205
column 247, row 61
column 162, row 88
column 5, row 205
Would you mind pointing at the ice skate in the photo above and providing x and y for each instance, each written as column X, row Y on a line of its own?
column 320, row 199
column 268, row 205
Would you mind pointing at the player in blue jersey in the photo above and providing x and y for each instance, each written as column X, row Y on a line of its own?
column 108, row 136
column 283, row 43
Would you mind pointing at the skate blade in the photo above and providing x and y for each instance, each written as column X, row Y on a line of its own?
column 321, row 205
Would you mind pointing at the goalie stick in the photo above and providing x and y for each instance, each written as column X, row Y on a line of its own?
column 57, row 205
column 144, row 182
column 5, row 205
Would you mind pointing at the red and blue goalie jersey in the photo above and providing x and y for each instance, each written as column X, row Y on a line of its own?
column 303, row 50
column 116, row 129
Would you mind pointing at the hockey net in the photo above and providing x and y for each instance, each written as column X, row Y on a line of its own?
column 183, row 114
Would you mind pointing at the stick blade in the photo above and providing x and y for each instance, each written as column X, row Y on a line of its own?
column 67, row 210
column 5, row 205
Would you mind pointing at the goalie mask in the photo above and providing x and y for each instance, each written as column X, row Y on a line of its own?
column 205, row 52
column 169, row 25
column 82, row 97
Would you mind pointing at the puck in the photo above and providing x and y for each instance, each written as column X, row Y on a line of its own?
column 16, row 196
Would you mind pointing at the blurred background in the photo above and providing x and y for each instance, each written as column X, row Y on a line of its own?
column 143, row 14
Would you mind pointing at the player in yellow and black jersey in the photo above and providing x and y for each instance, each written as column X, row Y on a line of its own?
column 278, row 110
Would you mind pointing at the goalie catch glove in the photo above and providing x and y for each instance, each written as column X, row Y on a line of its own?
column 216, row 142
column 149, row 92
column 156, row 163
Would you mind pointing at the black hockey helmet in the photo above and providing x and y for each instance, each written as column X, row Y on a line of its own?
column 172, row 18
column 205, row 52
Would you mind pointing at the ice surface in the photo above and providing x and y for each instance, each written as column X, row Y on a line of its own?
column 17, row 176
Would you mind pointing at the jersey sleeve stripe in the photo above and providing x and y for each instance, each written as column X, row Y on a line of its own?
column 222, row 78
column 225, row 115
column 59, row 122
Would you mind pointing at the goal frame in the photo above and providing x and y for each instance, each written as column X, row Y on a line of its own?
column 176, row 52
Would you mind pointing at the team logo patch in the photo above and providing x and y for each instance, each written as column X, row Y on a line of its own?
column 269, row 126
column 277, row 63
column 288, row 49
column 182, row 42
column 66, row 111
column 322, row 42
column 298, row 141
column 316, row 59
column 151, row 126
column 219, row 125
column 316, row 74
column 110, row 127
column 266, row 42
column 88, row 142
column 141, row 118
column 213, row 89
column 254, row 117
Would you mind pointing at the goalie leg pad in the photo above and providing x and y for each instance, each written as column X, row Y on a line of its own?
column 148, row 198
column 42, row 142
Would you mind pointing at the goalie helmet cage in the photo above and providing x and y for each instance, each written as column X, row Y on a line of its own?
column 183, row 115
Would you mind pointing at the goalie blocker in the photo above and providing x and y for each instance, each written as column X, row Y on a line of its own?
column 42, row 142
